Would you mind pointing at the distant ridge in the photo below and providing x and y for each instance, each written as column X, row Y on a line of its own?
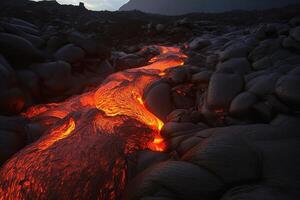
column 178, row 7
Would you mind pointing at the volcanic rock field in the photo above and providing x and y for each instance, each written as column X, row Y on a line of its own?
column 129, row 105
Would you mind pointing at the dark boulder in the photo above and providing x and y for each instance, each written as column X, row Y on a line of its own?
column 158, row 100
column 288, row 90
column 222, row 89
column 228, row 155
column 12, row 101
column 235, row 65
column 182, row 179
column 70, row 53
column 18, row 50
column 10, row 143
column 241, row 104
column 251, row 192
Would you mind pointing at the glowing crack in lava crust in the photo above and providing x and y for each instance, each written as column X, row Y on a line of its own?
column 82, row 155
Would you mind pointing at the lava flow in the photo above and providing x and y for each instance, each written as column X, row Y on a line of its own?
column 83, row 153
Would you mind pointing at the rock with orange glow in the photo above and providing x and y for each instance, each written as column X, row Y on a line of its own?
column 12, row 101
column 158, row 100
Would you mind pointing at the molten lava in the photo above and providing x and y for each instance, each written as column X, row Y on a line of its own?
column 83, row 153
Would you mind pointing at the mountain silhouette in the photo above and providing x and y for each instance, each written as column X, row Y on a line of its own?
column 177, row 7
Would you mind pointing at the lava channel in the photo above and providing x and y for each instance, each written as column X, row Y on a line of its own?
column 83, row 153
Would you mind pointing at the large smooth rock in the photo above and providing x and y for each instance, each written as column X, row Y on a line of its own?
column 158, row 100
column 266, row 47
column 29, row 81
column 173, row 129
column 228, row 155
column 129, row 61
column 7, row 74
column 291, row 43
column 222, row 89
column 18, row 50
column 34, row 39
column 12, row 101
column 295, row 21
column 199, row 43
column 235, row 51
column 10, row 143
column 235, row 65
column 264, row 85
column 263, row 63
column 295, row 33
column 280, row 164
column 22, row 22
column 179, row 75
column 54, row 75
column 69, row 53
column 241, row 104
column 288, row 90
column 182, row 179
column 90, row 46
column 251, row 192
column 202, row 77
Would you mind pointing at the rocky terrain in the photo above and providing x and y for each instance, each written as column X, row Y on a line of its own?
column 179, row 7
column 231, row 113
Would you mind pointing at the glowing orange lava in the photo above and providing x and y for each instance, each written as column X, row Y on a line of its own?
column 83, row 153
